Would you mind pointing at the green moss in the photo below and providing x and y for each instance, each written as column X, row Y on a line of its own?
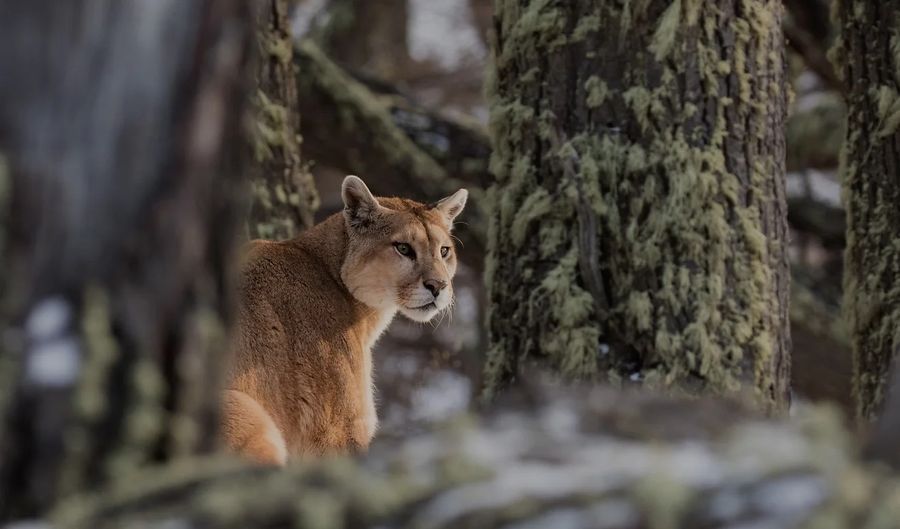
column 872, row 297
column 319, row 510
column 144, row 421
column 532, row 208
column 208, row 338
column 539, row 28
column 100, row 353
column 281, row 48
column 664, row 500
column 273, row 130
column 682, row 246
column 645, row 104
column 567, row 309
column 586, row 25
column 888, row 102
column 597, row 91
column 666, row 31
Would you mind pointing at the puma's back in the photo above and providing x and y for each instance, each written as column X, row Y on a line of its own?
column 312, row 307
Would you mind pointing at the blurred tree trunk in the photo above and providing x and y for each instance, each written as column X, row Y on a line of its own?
column 482, row 14
column 284, row 193
column 639, row 218
column 120, row 125
column 868, row 57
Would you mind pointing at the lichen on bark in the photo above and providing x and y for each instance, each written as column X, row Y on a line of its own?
column 678, row 146
column 868, row 56
column 284, row 196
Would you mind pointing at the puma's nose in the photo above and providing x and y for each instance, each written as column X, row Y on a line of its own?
column 435, row 286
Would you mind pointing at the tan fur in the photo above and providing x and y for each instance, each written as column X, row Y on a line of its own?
column 311, row 309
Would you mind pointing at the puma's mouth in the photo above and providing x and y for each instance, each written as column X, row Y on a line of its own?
column 426, row 308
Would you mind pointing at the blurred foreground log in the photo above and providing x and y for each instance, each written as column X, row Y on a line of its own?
column 601, row 460
column 120, row 127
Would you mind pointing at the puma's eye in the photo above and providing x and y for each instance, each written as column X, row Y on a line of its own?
column 404, row 249
column 445, row 251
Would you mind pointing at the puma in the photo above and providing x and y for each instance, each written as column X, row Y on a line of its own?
column 310, row 310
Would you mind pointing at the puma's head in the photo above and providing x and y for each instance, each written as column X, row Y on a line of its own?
column 400, row 252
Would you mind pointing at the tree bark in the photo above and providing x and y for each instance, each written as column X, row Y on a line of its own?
column 120, row 126
column 638, row 227
column 868, row 57
column 284, row 193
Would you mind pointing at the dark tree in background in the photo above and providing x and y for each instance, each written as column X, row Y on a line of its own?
column 868, row 56
column 284, row 193
column 368, row 37
column 656, row 129
column 120, row 131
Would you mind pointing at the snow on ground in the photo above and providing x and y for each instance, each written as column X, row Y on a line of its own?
column 823, row 186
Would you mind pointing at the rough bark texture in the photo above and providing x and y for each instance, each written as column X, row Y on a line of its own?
column 599, row 460
column 284, row 193
column 868, row 54
column 882, row 442
column 120, row 124
column 650, row 245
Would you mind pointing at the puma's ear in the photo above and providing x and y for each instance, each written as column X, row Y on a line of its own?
column 360, row 206
column 453, row 205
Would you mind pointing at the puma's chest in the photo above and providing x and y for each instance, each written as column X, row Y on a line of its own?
column 369, row 415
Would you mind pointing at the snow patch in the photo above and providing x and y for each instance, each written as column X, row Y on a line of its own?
column 446, row 395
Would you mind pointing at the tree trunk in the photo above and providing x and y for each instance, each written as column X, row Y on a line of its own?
column 867, row 55
column 120, row 127
column 284, row 193
column 639, row 219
